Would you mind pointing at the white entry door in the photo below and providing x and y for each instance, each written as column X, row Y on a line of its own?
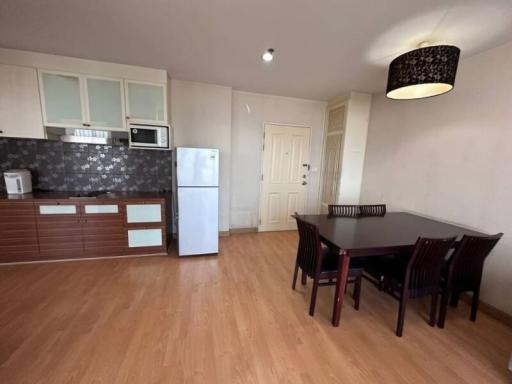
column 284, row 179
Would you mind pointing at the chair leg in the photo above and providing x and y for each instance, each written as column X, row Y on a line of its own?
column 433, row 310
column 295, row 275
column 357, row 292
column 303, row 278
column 474, row 304
column 313, row 297
column 454, row 301
column 444, row 308
column 401, row 315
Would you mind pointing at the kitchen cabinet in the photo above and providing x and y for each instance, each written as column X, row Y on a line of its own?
column 143, row 213
column 20, row 108
column 103, row 229
column 18, row 232
column 146, row 102
column 60, row 228
column 78, row 101
column 105, row 103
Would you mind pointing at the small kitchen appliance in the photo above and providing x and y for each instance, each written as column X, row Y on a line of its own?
column 18, row 181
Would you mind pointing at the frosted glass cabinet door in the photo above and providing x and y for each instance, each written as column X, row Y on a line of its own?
column 143, row 213
column 144, row 238
column 146, row 101
column 62, row 100
column 105, row 102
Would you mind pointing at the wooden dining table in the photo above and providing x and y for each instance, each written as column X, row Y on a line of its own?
column 393, row 233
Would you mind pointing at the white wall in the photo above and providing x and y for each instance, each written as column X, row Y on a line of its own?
column 250, row 112
column 71, row 64
column 450, row 157
column 201, row 117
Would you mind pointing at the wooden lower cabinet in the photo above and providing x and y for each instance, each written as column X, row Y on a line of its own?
column 103, row 230
column 18, row 232
column 50, row 230
column 59, row 230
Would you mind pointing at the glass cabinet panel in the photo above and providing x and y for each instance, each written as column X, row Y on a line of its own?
column 62, row 99
column 101, row 208
column 145, row 237
column 143, row 213
column 146, row 101
column 57, row 209
column 105, row 101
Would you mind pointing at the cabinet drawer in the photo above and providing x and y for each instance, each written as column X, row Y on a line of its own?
column 101, row 209
column 59, row 209
column 143, row 213
column 152, row 237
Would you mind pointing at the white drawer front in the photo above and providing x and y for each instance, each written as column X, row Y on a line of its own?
column 143, row 213
column 110, row 208
column 57, row 209
column 144, row 237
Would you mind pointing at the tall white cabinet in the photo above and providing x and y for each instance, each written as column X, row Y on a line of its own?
column 20, row 110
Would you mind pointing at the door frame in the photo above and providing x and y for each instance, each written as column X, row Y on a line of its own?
column 282, row 124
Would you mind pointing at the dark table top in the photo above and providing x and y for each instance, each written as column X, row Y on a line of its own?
column 72, row 196
column 394, row 232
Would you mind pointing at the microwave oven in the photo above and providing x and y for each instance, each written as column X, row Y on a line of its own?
column 149, row 136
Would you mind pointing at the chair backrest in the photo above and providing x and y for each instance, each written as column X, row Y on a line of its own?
column 372, row 210
column 467, row 263
column 423, row 273
column 309, row 250
column 344, row 210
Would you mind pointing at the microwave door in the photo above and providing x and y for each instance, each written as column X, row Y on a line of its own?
column 144, row 136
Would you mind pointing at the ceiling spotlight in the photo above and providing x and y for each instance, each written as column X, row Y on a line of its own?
column 268, row 56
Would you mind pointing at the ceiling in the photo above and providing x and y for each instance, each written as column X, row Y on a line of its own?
column 323, row 47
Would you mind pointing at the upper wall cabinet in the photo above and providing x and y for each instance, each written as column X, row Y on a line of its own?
column 105, row 106
column 61, row 96
column 77, row 101
column 146, row 102
column 20, row 110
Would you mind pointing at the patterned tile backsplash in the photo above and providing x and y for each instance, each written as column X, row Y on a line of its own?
column 87, row 167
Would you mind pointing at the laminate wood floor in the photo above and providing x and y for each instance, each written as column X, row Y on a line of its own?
column 226, row 319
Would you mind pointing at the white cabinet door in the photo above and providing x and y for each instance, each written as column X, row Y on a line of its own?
column 20, row 107
column 105, row 104
column 61, row 95
column 146, row 101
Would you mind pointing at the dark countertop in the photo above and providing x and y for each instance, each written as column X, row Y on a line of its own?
column 73, row 196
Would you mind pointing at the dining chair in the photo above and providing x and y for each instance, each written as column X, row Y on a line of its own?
column 418, row 276
column 321, row 263
column 464, row 272
column 372, row 210
column 343, row 210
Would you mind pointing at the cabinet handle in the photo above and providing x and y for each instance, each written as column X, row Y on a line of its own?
column 1, row 131
column 127, row 117
column 86, row 125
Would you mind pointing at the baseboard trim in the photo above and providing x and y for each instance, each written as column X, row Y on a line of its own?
column 224, row 233
column 243, row 230
column 490, row 310
column 84, row 259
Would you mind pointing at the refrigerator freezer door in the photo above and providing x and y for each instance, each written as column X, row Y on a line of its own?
column 198, row 221
column 197, row 167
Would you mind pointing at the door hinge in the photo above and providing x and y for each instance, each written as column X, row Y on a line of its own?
column 262, row 177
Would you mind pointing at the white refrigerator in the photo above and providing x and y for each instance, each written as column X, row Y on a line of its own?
column 196, row 197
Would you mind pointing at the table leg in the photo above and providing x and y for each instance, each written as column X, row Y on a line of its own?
column 341, row 283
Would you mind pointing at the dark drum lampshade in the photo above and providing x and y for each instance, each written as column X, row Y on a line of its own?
column 423, row 72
